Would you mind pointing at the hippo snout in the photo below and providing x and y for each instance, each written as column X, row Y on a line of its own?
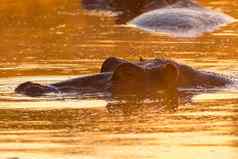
column 34, row 89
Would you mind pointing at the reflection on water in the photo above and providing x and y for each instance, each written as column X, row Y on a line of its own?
column 52, row 40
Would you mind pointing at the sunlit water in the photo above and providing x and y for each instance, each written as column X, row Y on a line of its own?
column 48, row 41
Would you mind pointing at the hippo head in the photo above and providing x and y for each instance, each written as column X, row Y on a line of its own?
column 125, row 5
column 134, row 78
column 33, row 89
column 127, row 9
column 95, row 4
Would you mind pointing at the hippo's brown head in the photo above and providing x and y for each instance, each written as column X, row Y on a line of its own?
column 128, row 9
column 134, row 78
column 124, row 5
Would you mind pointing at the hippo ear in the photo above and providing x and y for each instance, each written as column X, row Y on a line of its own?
column 170, row 74
column 129, row 77
column 141, row 59
column 111, row 63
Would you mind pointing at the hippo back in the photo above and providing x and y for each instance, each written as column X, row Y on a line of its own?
column 181, row 21
column 184, row 18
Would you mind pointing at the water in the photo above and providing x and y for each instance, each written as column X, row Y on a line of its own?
column 48, row 41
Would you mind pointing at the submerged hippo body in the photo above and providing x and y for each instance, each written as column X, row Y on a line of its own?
column 119, row 76
column 181, row 18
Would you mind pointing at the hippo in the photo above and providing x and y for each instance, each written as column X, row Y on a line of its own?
column 179, row 18
column 122, row 77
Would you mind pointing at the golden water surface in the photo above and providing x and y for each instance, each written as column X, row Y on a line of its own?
column 52, row 40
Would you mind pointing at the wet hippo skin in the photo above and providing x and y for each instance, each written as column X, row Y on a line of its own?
column 179, row 18
column 119, row 76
